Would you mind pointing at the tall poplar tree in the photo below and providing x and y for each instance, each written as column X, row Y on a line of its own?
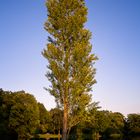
column 70, row 62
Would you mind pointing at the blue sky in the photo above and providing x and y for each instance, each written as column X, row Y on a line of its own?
column 115, row 26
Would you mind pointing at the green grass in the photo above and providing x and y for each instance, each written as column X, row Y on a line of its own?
column 115, row 136
column 49, row 136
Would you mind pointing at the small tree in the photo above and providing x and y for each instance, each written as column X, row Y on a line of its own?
column 70, row 64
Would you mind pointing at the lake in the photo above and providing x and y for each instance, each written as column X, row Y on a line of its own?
column 130, row 138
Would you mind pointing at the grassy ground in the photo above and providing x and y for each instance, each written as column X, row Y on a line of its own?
column 49, row 136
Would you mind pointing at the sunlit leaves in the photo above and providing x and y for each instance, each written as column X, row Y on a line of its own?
column 68, row 52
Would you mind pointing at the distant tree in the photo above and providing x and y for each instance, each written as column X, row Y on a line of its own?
column 24, row 115
column 99, row 123
column 116, row 125
column 56, row 120
column 6, row 102
column 86, row 126
column 44, row 118
column 102, row 123
column 70, row 62
column 117, row 122
column 133, row 124
column 3, row 115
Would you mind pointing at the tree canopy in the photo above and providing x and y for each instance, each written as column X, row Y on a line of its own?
column 44, row 117
column 19, row 114
column 24, row 115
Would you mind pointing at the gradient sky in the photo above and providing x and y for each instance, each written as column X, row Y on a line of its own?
column 115, row 26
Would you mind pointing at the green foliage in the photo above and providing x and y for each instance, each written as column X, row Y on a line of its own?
column 70, row 62
column 6, row 102
column 98, row 121
column 56, row 120
column 101, row 123
column 24, row 115
column 44, row 118
column 116, row 125
column 133, row 124
column 19, row 115
column 117, row 122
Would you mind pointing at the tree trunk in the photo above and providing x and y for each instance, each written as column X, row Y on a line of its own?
column 68, row 132
column 59, row 134
column 65, row 121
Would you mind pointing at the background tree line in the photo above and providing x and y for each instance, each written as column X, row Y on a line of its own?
column 21, row 117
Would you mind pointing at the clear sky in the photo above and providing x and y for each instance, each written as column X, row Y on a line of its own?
column 115, row 26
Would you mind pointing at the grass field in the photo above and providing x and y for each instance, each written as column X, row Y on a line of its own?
column 47, row 136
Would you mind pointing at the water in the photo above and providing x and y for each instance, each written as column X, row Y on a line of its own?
column 130, row 138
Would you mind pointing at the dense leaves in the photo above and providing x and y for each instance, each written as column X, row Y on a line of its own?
column 56, row 120
column 44, row 118
column 6, row 102
column 133, row 124
column 70, row 62
column 24, row 115
column 19, row 115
